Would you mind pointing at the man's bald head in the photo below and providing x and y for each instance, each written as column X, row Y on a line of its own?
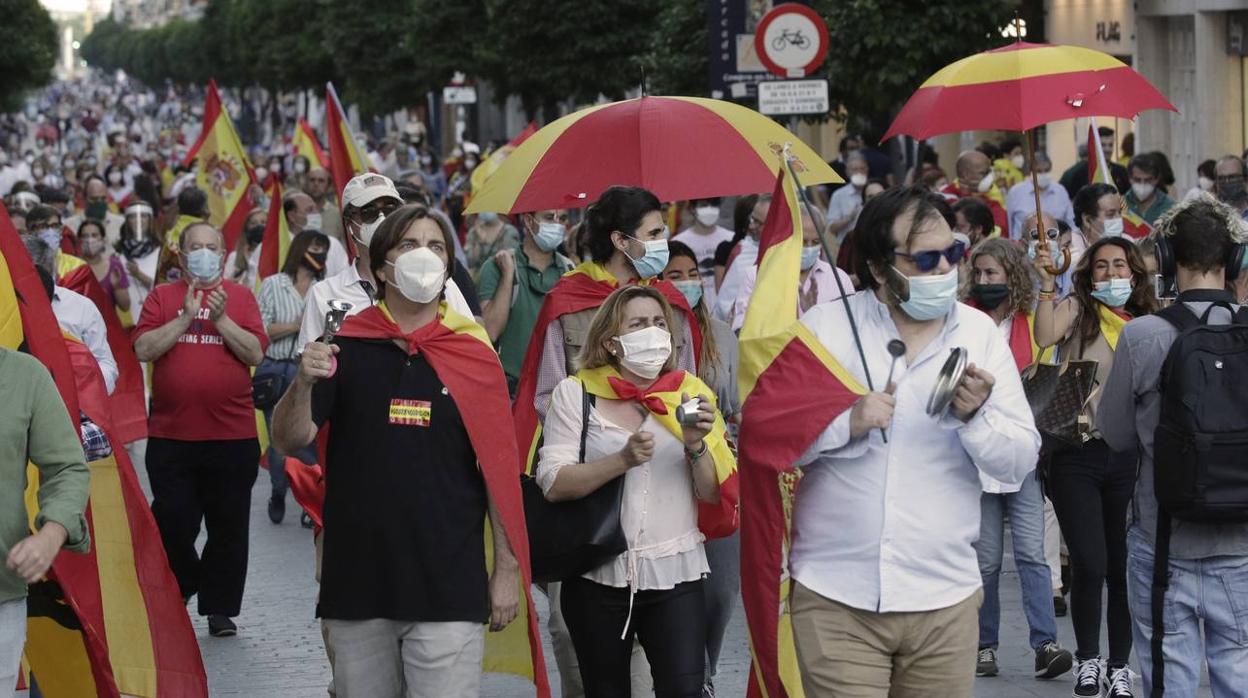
column 971, row 162
column 318, row 182
column 201, row 234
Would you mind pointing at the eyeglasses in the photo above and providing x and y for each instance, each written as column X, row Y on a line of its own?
column 930, row 259
column 1050, row 233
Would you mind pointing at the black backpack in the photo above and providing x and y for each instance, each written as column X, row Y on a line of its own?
column 1200, row 447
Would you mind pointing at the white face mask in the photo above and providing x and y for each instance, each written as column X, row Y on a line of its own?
column 858, row 179
column 986, row 183
column 420, row 275
column 367, row 229
column 1112, row 227
column 645, row 351
column 1018, row 161
column 707, row 215
column 314, row 222
column 1043, row 179
column 1205, row 183
column 1143, row 190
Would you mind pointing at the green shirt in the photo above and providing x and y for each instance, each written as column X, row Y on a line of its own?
column 528, row 290
column 1161, row 204
column 34, row 426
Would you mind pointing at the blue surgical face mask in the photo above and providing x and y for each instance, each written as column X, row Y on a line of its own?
column 203, row 264
column 549, row 236
column 51, row 237
column 651, row 263
column 1113, row 293
column 691, row 289
column 1054, row 251
column 930, row 296
column 1112, row 227
column 810, row 255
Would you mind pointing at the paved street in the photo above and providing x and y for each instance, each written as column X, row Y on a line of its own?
column 278, row 652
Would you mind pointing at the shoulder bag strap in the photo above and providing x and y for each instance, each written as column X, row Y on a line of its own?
column 586, row 401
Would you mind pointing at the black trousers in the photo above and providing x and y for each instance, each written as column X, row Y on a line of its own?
column 1091, row 489
column 208, row 481
column 669, row 623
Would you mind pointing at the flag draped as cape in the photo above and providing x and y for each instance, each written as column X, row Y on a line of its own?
column 461, row 354
column 791, row 389
column 111, row 621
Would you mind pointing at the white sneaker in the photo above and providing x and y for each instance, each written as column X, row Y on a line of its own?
column 1119, row 683
column 1089, row 675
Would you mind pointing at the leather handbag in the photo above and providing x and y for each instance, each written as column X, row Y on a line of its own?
column 1059, row 396
column 568, row 539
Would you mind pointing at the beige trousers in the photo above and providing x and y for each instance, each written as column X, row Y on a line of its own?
column 847, row 652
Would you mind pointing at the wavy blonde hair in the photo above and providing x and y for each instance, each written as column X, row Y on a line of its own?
column 1018, row 273
column 608, row 321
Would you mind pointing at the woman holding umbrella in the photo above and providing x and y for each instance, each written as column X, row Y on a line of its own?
column 1091, row 487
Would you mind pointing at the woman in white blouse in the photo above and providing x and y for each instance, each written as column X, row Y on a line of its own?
column 653, row 591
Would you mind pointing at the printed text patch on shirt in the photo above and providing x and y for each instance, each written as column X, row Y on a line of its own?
column 410, row 412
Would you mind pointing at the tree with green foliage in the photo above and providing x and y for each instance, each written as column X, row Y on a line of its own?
column 677, row 62
column 880, row 51
column 28, row 48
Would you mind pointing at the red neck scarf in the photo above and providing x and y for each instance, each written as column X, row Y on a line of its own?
column 648, row 398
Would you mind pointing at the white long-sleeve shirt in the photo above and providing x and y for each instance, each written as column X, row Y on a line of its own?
column 889, row 526
column 77, row 315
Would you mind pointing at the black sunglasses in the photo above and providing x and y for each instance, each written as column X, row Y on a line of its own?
column 930, row 259
column 1050, row 233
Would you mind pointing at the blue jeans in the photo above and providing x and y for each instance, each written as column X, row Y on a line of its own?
column 1026, row 509
column 1212, row 592
column 277, row 462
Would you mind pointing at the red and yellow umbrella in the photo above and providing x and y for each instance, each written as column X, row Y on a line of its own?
column 679, row 148
column 1024, row 85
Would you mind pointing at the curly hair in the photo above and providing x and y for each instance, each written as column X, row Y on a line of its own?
column 1141, row 302
column 1018, row 273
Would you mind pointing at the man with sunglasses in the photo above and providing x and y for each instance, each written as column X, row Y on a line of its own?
column 886, row 581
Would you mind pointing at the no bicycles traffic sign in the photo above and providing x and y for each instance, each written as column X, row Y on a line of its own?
column 791, row 40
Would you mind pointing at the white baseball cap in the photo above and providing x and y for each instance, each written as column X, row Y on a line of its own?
column 367, row 188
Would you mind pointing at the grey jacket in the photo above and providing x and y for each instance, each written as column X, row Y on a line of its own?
column 1129, row 409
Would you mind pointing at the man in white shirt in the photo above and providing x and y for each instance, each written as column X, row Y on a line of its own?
column 887, row 584
column 1021, row 201
column 846, row 202
column 302, row 213
column 367, row 200
column 75, row 313
column 704, row 237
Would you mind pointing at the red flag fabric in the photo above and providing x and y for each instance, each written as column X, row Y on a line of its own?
column 345, row 158
column 128, row 403
column 276, row 238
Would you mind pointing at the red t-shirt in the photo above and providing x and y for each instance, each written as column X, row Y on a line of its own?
column 200, row 390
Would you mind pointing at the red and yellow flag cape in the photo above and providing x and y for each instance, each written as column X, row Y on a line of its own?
column 305, row 143
column 461, row 354
column 791, row 389
column 128, row 404
column 223, row 172
column 583, row 288
column 715, row 520
column 1022, row 338
column 115, row 622
column 1112, row 322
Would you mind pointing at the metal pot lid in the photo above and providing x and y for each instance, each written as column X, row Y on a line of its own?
column 947, row 382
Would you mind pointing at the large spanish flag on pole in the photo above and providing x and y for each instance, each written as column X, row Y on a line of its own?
column 345, row 157
column 111, row 621
column 306, row 144
column 224, row 172
column 791, row 388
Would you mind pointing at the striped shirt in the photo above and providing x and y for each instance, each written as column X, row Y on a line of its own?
column 280, row 302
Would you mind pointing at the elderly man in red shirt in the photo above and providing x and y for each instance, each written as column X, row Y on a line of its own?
column 202, row 334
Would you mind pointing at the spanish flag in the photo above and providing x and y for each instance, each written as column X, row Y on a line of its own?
column 466, row 363
column 1098, row 167
column 224, row 172
column 791, row 389
column 112, row 621
column 276, row 237
column 1135, row 227
column 127, row 404
column 305, row 143
column 345, row 157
